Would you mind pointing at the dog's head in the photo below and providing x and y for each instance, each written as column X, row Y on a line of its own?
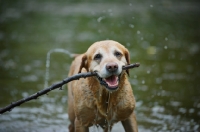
column 106, row 58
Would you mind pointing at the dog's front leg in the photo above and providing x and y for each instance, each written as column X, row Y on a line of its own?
column 79, row 127
column 130, row 124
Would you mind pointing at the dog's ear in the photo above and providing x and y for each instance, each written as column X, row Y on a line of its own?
column 127, row 56
column 83, row 63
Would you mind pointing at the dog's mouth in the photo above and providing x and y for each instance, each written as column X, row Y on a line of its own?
column 111, row 82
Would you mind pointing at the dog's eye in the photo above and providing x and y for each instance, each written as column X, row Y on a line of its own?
column 97, row 57
column 117, row 54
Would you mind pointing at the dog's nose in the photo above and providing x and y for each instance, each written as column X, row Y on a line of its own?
column 112, row 67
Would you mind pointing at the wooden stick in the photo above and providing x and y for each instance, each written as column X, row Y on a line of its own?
column 55, row 86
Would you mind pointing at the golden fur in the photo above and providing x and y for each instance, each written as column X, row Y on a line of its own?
column 90, row 102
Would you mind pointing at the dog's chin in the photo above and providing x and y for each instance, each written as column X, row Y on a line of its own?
column 111, row 83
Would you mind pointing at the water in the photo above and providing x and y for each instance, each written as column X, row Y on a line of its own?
column 48, row 61
column 163, row 36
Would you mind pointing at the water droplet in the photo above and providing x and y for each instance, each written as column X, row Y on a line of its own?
column 182, row 110
column 191, row 110
column 143, row 82
column 151, row 50
column 159, row 80
column 138, row 32
column 131, row 26
column 165, row 47
column 100, row 19
column 151, row 6
column 128, row 44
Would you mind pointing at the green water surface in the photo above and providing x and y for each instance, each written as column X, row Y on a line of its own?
column 164, row 36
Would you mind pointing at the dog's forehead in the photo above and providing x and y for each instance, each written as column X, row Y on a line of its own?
column 104, row 47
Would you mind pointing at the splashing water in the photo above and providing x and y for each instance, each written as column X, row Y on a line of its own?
column 48, row 62
column 95, row 128
column 109, row 126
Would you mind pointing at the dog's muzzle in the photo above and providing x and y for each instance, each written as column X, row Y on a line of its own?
column 111, row 82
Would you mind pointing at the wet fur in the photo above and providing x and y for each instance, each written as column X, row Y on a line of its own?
column 87, row 97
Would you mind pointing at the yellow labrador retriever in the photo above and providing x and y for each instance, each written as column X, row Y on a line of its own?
column 104, row 99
